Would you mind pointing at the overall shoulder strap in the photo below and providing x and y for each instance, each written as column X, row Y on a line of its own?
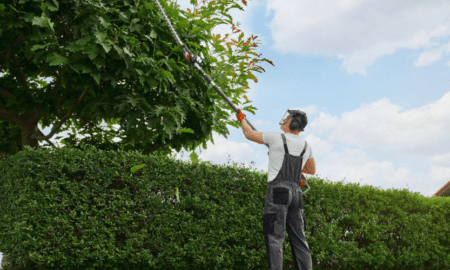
column 304, row 149
column 284, row 142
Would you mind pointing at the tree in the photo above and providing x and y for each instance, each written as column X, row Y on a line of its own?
column 118, row 61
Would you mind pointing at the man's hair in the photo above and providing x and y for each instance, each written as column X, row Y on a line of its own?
column 299, row 121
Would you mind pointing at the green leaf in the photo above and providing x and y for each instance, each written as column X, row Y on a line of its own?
column 96, row 77
column 50, row 24
column 51, row 6
column 195, row 30
column 28, row 17
column 104, row 23
column 43, row 22
column 168, row 75
column 119, row 50
column 28, row 53
column 128, row 52
column 133, row 41
column 168, row 126
column 84, row 68
column 37, row 47
column 153, row 34
column 93, row 52
column 185, row 130
column 140, row 72
column 74, row 68
column 84, row 41
column 15, row 9
column 58, row 59
column 194, row 157
column 39, row 21
column 132, row 100
column 137, row 167
column 99, row 62
column 101, row 36
column 149, row 38
column 106, row 47
column 160, row 110
column 177, row 194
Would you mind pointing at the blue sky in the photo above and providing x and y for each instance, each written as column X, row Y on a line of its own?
column 373, row 78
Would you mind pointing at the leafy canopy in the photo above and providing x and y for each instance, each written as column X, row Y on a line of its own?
column 78, row 62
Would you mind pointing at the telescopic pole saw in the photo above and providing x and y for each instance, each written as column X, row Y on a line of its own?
column 192, row 60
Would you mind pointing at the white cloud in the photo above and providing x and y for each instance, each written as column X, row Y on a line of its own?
column 381, row 125
column 443, row 159
column 359, row 31
column 440, row 173
column 431, row 56
column 421, row 132
column 223, row 147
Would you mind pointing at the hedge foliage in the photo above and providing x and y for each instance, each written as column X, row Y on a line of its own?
column 91, row 209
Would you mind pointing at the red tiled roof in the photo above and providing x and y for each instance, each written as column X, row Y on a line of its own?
column 443, row 191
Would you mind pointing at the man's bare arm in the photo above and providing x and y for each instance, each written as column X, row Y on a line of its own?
column 310, row 166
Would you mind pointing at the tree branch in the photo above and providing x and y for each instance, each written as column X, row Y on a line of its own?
column 8, row 55
column 4, row 113
column 65, row 24
column 87, row 121
column 4, row 92
column 47, row 140
column 19, row 68
column 14, row 44
column 64, row 119
column 54, row 91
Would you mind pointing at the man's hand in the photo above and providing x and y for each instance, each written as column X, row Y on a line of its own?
column 303, row 181
column 240, row 116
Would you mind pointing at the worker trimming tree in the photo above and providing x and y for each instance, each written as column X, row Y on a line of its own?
column 283, row 208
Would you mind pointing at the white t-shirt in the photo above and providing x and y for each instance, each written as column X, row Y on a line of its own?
column 295, row 145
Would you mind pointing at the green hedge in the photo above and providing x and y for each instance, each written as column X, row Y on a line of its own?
column 89, row 209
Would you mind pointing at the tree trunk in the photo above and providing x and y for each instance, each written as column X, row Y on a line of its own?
column 26, row 130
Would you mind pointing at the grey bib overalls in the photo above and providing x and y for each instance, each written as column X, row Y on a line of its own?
column 283, row 206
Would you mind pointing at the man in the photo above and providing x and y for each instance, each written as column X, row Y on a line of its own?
column 288, row 154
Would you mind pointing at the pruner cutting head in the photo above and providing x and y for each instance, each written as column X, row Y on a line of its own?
column 190, row 57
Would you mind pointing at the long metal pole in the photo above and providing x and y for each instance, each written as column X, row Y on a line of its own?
column 192, row 59
column 195, row 64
